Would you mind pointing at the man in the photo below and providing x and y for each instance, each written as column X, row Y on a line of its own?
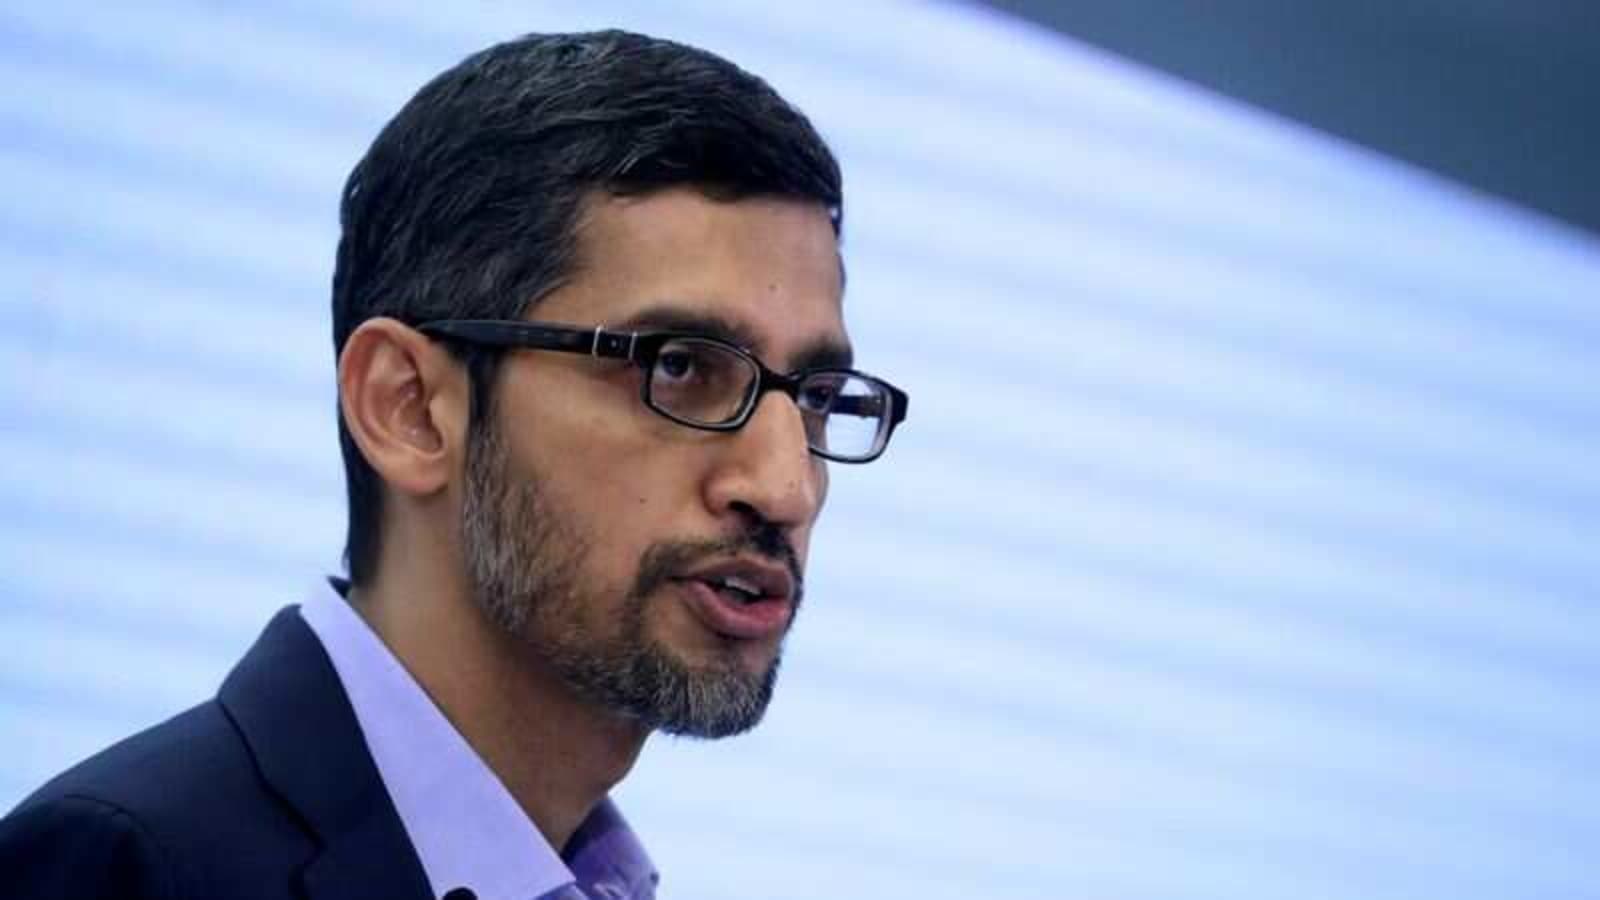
column 592, row 370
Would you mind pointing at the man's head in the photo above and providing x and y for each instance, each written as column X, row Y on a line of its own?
column 597, row 528
column 613, row 180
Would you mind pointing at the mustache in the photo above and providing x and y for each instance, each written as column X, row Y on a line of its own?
column 663, row 561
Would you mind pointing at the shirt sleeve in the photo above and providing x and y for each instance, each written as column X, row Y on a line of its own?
column 80, row 848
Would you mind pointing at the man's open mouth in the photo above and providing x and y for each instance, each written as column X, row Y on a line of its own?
column 737, row 589
column 741, row 598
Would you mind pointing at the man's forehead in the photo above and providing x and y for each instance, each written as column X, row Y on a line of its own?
column 760, row 272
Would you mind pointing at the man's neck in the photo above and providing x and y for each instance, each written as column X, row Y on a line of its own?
column 557, row 755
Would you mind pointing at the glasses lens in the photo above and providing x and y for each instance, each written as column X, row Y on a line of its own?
column 700, row 381
column 845, row 414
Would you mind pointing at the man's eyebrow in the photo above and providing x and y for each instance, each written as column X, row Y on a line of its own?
column 826, row 353
column 822, row 353
column 671, row 318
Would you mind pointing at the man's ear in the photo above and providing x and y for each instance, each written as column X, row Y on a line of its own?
column 404, row 400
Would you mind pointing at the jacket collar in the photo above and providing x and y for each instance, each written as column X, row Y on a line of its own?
column 288, row 704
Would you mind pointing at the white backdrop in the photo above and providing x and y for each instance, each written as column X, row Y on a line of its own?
column 1241, row 543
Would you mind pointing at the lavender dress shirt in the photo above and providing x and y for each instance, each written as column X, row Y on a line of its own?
column 466, row 828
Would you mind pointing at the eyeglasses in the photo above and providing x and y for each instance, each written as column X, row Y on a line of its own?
column 707, row 383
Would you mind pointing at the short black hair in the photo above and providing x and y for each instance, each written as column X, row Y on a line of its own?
column 465, row 205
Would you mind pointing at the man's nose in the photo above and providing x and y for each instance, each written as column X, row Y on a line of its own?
column 767, row 468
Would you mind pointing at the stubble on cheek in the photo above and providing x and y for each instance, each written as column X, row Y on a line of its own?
column 519, row 553
column 526, row 558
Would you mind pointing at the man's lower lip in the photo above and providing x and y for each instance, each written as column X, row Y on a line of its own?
column 728, row 617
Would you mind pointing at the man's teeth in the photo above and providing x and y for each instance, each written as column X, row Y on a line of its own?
column 738, row 588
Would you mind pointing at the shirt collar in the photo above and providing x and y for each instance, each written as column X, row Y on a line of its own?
column 467, row 829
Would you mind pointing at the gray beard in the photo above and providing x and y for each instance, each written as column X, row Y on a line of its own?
column 524, row 562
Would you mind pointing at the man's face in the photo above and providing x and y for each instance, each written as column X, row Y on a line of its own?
column 601, row 534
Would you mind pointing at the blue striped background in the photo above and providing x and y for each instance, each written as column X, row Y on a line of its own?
column 1241, row 544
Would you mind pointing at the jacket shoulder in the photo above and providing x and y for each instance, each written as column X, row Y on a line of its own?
column 162, row 766
column 160, row 811
column 77, row 848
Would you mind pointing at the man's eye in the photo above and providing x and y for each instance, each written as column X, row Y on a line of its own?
column 675, row 365
column 818, row 397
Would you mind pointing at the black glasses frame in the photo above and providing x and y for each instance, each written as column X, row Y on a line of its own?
column 643, row 348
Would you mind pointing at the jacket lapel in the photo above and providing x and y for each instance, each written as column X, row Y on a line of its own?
column 287, row 702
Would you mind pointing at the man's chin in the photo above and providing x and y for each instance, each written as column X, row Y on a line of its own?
column 750, row 660
column 716, row 700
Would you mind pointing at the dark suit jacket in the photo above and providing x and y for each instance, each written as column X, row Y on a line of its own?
column 266, row 791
